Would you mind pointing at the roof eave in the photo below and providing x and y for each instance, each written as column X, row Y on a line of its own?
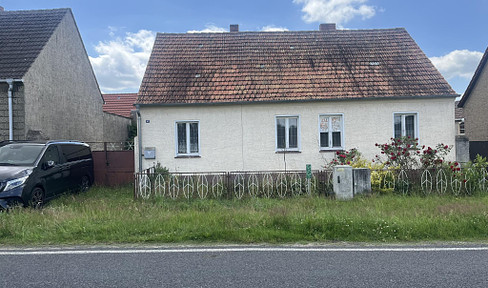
column 296, row 101
column 474, row 80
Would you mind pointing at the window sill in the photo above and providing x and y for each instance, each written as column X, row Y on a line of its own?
column 187, row 156
column 331, row 150
column 287, row 151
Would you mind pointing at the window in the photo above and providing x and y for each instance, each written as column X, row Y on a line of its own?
column 405, row 125
column 73, row 152
column 461, row 127
column 331, row 132
column 51, row 154
column 187, row 138
column 287, row 133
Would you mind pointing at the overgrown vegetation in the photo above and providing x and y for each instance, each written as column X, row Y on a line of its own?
column 107, row 216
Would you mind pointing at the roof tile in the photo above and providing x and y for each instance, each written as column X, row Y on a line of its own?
column 271, row 66
column 23, row 35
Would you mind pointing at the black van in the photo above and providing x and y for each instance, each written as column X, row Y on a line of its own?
column 31, row 173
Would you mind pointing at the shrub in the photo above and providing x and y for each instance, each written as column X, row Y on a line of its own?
column 405, row 153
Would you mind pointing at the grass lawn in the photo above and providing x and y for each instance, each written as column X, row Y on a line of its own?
column 112, row 216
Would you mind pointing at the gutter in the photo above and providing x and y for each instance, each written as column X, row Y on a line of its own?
column 300, row 101
column 10, row 83
column 139, row 138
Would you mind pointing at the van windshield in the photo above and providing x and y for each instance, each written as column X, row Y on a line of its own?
column 19, row 154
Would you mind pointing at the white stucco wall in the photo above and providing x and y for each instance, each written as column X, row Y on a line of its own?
column 242, row 137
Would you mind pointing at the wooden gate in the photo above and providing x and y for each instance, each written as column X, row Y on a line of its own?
column 113, row 164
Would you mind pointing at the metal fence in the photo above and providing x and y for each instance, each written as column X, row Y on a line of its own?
column 279, row 184
column 432, row 181
column 231, row 185
column 111, row 146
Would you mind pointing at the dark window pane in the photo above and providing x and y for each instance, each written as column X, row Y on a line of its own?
column 398, row 126
column 324, row 139
column 336, row 139
column 51, row 154
column 280, row 133
column 410, row 125
column 193, row 137
column 74, row 152
column 182, row 138
column 293, row 132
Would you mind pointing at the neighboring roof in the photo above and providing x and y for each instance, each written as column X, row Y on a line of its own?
column 23, row 35
column 288, row 66
column 458, row 111
column 119, row 104
column 474, row 80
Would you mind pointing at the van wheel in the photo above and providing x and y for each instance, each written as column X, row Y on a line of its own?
column 84, row 184
column 36, row 200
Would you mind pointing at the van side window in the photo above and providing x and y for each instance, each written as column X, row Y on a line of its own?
column 75, row 152
column 51, row 154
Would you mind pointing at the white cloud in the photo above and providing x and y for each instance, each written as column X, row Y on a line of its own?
column 121, row 62
column 209, row 28
column 458, row 63
column 272, row 28
column 335, row 11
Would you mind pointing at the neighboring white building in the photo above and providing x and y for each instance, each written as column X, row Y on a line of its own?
column 254, row 101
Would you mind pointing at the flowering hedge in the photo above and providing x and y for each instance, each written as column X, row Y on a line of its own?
column 405, row 153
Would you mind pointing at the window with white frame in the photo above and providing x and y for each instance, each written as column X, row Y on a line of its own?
column 287, row 133
column 187, row 138
column 405, row 125
column 331, row 130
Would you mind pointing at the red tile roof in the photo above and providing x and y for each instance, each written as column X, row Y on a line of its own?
column 119, row 104
column 458, row 111
column 288, row 66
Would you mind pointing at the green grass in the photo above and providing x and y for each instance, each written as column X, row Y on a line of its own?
column 109, row 216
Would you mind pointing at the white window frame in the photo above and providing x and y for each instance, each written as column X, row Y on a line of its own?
column 404, row 130
column 287, row 136
column 331, row 148
column 188, row 149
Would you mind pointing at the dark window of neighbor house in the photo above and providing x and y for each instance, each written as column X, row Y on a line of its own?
column 287, row 130
column 405, row 124
column 461, row 127
column 331, row 130
column 187, row 142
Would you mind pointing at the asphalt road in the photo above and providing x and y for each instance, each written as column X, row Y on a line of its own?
column 255, row 266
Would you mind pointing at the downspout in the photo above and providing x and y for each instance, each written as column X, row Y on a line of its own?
column 10, row 83
column 139, row 138
column 10, row 94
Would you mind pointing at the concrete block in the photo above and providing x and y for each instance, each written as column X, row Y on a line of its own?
column 343, row 182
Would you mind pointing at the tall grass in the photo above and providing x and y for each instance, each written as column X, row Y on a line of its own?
column 107, row 216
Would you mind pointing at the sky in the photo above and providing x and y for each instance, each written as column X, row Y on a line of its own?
column 118, row 35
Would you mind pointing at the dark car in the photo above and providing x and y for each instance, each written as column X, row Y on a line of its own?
column 31, row 173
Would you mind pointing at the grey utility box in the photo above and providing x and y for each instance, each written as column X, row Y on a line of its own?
column 362, row 180
column 343, row 182
column 149, row 152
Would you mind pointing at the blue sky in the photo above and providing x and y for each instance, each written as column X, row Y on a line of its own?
column 118, row 35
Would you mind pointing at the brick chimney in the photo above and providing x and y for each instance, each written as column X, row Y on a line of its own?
column 234, row 28
column 2, row 9
column 327, row 27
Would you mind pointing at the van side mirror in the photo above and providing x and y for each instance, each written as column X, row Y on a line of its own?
column 48, row 164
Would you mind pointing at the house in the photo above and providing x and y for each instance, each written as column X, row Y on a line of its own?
column 459, row 119
column 475, row 107
column 48, row 89
column 462, row 142
column 261, row 101
column 121, row 104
